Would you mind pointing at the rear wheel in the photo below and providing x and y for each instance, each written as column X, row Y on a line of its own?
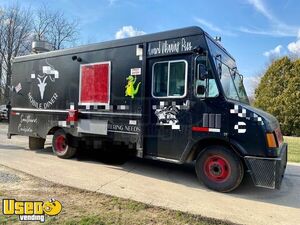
column 60, row 145
column 219, row 168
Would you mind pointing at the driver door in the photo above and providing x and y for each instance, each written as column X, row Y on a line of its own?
column 168, row 118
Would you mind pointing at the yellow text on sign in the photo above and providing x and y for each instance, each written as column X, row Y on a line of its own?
column 13, row 207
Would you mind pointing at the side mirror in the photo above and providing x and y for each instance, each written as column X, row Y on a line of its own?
column 202, row 72
column 200, row 89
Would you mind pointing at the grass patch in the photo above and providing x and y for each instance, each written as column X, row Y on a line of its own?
column 131, row 206
column 117, row 211
column 8, row 219
column 86, row 220
column 177, row 218
column 293, row 148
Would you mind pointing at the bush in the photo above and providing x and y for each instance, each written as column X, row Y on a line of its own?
column 279, row 94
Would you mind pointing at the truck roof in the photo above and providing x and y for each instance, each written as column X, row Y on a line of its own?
column 188, row 31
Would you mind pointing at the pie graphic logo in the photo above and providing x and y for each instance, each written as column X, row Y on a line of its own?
column 48, row 72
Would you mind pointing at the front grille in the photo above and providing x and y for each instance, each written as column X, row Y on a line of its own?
column 267, row 172
column 263, row 171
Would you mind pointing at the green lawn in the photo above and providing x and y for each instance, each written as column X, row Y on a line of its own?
column 293, row 148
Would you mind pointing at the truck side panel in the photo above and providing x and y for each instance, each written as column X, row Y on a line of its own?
column 50, row 87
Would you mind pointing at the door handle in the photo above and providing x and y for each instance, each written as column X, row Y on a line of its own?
column 187, row 104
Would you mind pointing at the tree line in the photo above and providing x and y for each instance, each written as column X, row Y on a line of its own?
column 279, row 94
column 19, row 26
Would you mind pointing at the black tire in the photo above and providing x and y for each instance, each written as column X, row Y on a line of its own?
column 36, row 143
column 219, row 168
column 60, row 145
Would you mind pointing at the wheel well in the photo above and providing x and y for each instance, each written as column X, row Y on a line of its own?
column 53, row 129
column 202, row 144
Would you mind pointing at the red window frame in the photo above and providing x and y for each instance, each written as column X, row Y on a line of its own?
column 87, row 78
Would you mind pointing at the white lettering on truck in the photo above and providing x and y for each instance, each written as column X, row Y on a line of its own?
column 168, row 47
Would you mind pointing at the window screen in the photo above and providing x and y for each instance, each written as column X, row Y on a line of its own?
column 169, row 79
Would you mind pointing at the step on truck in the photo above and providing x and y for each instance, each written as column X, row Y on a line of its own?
column 174, row 96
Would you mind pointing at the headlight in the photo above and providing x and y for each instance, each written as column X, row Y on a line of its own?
column 271, row 140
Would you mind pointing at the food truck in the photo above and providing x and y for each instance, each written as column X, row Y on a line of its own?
column 174, row 96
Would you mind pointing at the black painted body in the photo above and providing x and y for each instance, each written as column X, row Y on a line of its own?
column 154, row 140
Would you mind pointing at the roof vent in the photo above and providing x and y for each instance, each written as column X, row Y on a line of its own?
column 218, row 38
column 40, row 46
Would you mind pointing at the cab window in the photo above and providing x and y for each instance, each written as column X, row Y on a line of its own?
column 169, row 79
column 208, row 83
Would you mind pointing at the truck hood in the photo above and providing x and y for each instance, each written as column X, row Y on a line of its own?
column 270, row 121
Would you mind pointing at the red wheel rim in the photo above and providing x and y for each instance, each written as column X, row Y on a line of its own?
column 60, row 143
column 217, row 168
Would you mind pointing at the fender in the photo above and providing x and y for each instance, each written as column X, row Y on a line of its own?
column 195, row 146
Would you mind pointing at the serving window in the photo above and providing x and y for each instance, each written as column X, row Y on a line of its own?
column 94, row 88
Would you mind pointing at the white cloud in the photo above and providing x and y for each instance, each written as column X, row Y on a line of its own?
column 209, row 25
column 213, row 27
column 278, row 27
column 274, row 52
column 112, row 2
column 294, row 47
column 298, row 34
column 128, row 31
column 267, row 32
column 251, row 83
column 260, row 7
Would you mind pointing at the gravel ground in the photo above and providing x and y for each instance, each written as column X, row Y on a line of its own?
column 6, row 177
column 88, row 208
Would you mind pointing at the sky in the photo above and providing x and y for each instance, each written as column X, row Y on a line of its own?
column 253, row 31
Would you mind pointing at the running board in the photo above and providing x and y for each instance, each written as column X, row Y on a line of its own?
column 163, row 159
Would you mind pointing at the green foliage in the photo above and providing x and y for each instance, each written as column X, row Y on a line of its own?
column 86, row 220
column 294, row 150
column 8, row 219
column 279, row 94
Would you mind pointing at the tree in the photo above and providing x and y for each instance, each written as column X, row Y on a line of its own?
column 55, row 28
column 19, row 27
column 42, row 23
column 15, row 31
column 279, row 94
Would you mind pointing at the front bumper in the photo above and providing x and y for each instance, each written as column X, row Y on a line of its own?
column 268, row 172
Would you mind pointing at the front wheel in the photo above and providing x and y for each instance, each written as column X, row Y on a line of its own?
column 219, row 168
column 60, row 145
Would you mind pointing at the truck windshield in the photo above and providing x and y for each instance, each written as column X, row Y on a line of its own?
column 238, row 82
column 231, row 80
